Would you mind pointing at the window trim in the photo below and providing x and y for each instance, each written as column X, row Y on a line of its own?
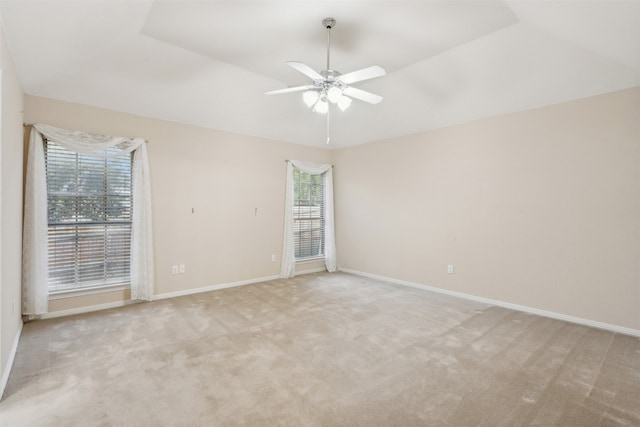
column 94, row 290
column 85, row 288
column 310, row 259
column 322, row 218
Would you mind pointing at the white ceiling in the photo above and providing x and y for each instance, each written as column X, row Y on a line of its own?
column 209, row 63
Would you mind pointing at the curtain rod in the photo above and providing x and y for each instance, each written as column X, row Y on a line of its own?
column 31, row 124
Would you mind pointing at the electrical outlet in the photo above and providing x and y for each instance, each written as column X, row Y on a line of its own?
column 174, row 269
column 273, row 258
column 450, row 269
column 182, row 268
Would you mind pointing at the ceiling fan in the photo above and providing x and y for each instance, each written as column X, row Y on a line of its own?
column 330, row 86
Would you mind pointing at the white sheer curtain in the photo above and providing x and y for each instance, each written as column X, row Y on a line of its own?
column 288, row 268
column 35, row 291
column 35, row 295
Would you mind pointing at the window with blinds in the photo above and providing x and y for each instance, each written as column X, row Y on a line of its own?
column 308, row 214
column 89, row 217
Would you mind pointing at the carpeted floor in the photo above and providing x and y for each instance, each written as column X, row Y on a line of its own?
column 320, row 350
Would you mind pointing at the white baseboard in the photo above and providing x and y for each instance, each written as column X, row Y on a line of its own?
column 90, row 308
column 85, row 309
column 228, row 285
column 12, row 356
column 213, row 288
column 544, row 313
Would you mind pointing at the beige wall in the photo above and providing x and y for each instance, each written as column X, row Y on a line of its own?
column 222, row 177
column 11, row 159
column 538, row 208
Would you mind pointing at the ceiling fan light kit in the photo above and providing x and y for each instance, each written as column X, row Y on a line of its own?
column 321, row 107
column 330, row 86
column 344, row 102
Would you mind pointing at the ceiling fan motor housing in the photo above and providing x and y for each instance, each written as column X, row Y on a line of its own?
column 330, row 80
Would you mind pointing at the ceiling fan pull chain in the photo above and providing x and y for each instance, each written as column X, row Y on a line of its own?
column 328, row 114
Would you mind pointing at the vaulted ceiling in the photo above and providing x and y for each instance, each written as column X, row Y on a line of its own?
column 208, row 63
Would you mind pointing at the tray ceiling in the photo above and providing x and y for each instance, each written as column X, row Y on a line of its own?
column 209, row 63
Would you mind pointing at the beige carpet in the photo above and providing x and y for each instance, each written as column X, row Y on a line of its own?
column 320, row 350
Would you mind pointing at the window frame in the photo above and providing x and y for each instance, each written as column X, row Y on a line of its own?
column 297, row 183
column 106, row 284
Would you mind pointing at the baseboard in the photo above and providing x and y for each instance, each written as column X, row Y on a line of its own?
column 12, row 356
column 85, row 309
column 116, row 304
column 213, row 288
column 544, row 313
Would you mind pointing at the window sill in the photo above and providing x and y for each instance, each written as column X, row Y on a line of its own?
column 71, row 293
column 309, row 259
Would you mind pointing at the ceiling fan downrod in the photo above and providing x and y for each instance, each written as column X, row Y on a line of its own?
column 328, row 23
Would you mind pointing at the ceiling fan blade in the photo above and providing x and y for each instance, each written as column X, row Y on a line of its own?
column 306, row 70
column 364, row 74
column 289, row 89
column 362, row 95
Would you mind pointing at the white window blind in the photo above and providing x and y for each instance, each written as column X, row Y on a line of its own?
column 308, row 214
column 89, row 204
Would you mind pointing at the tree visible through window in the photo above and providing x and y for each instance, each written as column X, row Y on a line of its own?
column 308, row 214
column 89, row 219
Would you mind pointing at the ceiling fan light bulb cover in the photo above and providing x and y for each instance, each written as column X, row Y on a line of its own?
column 334, row 94
column 344, row 102
column 310, row 97
column 321, row 107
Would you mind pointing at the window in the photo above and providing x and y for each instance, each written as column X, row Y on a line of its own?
column 89, row 203
column 308, row 214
